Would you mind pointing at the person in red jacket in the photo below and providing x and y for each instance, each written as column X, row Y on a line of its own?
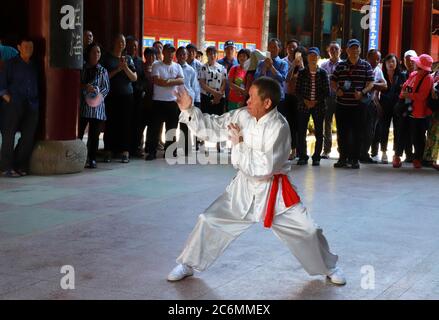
column 416, row 91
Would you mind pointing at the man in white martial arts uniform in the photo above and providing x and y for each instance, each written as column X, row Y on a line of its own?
column 261, row 190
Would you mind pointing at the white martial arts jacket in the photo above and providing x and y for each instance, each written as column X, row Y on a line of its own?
column 263, row 154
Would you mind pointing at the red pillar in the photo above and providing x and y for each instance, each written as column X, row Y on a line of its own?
column 421, row 27
column 395, row 36
column 57, row 150
column 60, row 87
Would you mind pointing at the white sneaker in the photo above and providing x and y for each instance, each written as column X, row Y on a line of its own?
column 337, row 277
column 384, row 158
column 180, row 272
column 375, row 158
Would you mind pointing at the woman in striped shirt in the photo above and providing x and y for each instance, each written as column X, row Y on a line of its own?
column 95, row 85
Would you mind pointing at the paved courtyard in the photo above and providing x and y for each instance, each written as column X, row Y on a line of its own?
column 122, row 226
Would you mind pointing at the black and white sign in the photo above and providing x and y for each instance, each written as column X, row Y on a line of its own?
column 66, row 34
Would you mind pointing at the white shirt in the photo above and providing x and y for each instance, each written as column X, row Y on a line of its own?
column 214, row 76
column 379, row 77
column 165, row 72
column 263, row 154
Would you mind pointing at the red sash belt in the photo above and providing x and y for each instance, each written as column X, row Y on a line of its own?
column 289, row 195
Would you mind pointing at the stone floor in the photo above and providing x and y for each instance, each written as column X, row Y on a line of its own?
column 122, row 226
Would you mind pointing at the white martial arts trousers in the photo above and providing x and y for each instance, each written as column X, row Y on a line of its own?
column 218, row 227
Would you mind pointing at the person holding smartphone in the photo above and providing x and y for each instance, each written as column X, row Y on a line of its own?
column 417, row 89
column 120, row 101
column 290, row 108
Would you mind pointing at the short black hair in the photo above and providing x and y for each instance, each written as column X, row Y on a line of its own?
column 211, row 48
column 180, row 49
column 268, row 89
column 149, row 51
column 191, row 46
column 335, row 43
column 200, row 53
column 24, row 39
column 157, row 42
column 278, row 42
column 293, row 41
column 372, row 51
column 131, row 38
column 246, row 52
column 88, row 49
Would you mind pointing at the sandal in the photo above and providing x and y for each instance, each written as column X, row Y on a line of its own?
column 10, row 174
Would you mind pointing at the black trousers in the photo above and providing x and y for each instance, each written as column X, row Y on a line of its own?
column 138, row 122
column 370, row 119
column 350, row 121
column 148, row 114
column 329, row 116
column 185, row 141
column 418, row 129
column 208, row 107
column 386, row 119
column 288, row 109
column 17, row 117
column 118, row 127
column 162, row 112
column 94, row 131
column 403, row 138
column 318, row 117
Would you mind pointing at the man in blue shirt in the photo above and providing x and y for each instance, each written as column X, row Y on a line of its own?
column 274, row 67
column 6, row 53
column 19, row 91
column 229, row 59
column 228, row 62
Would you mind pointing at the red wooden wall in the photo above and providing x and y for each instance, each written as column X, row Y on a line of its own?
column 176, row 19
column 238, row 20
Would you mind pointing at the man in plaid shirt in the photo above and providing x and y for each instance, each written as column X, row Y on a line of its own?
column 312, row 90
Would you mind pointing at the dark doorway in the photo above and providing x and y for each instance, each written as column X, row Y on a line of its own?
column 13, row 21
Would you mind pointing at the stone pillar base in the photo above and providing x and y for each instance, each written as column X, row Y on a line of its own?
column 58, row 157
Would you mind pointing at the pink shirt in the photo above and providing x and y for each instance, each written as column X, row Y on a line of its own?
column 420, row 109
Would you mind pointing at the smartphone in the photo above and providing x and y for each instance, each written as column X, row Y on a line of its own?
column 298, row 55
column 268, row 54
